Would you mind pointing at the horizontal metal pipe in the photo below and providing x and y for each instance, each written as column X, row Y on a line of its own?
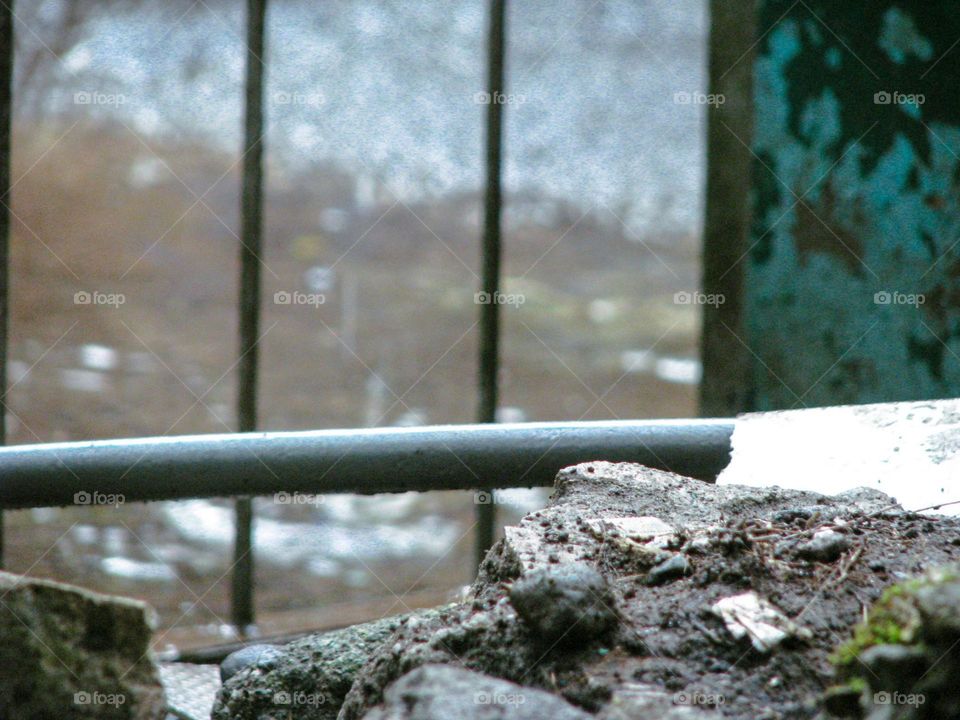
column 366, row 461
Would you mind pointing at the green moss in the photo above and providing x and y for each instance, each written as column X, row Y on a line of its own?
column 857, row 684
column 893, row 619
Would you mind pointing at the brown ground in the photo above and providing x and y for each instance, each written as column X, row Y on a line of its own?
column 83, row 225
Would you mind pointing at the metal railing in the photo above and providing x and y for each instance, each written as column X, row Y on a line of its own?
column 251, row 231
column 489, row 357
column 364, row 461
column 345, row 461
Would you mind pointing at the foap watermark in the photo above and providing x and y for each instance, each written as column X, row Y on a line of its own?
column 98, row 98
column 498, row 698
column 698, row 298
column 298, row 98
column 299, row 698
column 898, row 98
column 298, row 498
column 95, row 297
column 698, row 98
column 99, row 698
column 499, row 98
column 282, row 297
column 98, row 498
column 489, row 497
column 499, row 298
column 899, row 698
column 698, row 698
column 895, row 297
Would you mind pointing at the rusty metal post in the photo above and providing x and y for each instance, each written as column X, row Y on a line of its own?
column 726, row 362
column 250, row 238
column 490, row 310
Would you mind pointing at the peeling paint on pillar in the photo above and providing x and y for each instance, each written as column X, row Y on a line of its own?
column 856, row 204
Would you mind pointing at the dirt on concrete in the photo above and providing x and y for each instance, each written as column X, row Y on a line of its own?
column 639, row 593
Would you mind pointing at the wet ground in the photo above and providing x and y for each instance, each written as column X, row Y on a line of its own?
column 811, row 563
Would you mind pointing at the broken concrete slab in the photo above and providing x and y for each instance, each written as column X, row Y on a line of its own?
column 308, row 677
column 667, row 637
column 69, row 652
column 907, row 450
column 662, row 551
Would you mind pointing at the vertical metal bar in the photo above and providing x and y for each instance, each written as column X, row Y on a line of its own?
column 490, row 310
column 6, row 127
column 725, row 389
column 250, row 238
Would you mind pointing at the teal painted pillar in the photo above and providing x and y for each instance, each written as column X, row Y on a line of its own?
column 851, row 289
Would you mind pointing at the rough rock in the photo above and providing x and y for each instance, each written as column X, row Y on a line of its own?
column 825, row 546
column 442, row 692
column 674, row 567
column 565, row 605
column 307, row 678
column 809, row 563
column 939, row 606
column 265, row 657
column 66, row 652
column 893, row 666
column 635, row 700
column 902, row 661
column 625, row 521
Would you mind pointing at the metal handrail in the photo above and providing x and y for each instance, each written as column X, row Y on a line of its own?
column 365, row 461
column 345, row 461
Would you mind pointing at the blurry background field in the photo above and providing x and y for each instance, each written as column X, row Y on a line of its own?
column 126, row 183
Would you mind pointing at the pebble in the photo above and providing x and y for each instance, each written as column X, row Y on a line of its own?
column 826, row 546
column 676, row 567
column 262, row 656
column 565, row 604
column 939, row 606
column 698, row 545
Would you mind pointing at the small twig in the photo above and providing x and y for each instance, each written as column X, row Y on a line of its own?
column 894, row 506
column 937, row 506
column 848, row 565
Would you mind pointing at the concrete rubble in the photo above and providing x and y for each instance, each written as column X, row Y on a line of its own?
column 639, row 593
